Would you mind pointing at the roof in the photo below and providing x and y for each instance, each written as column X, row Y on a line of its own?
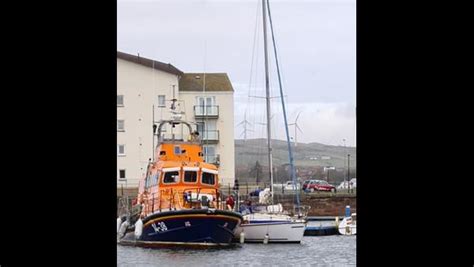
column 214, row 82
column 166, row 67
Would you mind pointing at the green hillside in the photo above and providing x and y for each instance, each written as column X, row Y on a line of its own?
column 310, row 158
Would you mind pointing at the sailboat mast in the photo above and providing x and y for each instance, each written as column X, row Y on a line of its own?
column 267, row 90
column 290, row 154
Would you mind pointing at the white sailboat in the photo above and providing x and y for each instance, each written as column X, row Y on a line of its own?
column 273, row 225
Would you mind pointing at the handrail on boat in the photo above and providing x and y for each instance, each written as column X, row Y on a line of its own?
column 176, row 199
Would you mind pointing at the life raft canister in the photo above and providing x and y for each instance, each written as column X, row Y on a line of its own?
column 138, row 228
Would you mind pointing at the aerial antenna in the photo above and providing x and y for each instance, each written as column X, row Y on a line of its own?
column 173, row 104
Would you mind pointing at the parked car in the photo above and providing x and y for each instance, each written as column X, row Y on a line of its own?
column 287, row 186
column 318, row 185
column 344, row 185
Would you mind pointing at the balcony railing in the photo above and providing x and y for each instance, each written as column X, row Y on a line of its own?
column 206, row 111
column 213, row 159
column 211, row 136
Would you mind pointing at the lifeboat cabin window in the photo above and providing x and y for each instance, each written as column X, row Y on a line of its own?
column 190, row 176
column 171, row 177
column 147, row 181
column 208, row 178
column 156, row 176
column 153, row 179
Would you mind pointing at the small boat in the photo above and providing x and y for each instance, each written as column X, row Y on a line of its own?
column 269, row 227
column 179, row 200
column 348, row 225
column 322, row 227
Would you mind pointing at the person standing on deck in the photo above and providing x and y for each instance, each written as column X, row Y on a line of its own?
column 230, row 202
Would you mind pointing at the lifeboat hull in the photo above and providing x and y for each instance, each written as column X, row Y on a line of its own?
column 196, row 228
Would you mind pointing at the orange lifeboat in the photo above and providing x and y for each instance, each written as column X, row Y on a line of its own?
column 179, row 197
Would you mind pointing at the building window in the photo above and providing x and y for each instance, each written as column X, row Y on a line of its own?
column 161, row 101
column 200, row 127
column 121, row 125
column 206, row 105
column 209, row 152
column 122, row 174
column 119, row 100
column 121, row 150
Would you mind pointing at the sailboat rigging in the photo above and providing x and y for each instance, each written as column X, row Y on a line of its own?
column 292, row 165
column 273, row 225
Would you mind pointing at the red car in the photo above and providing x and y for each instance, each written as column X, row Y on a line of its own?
column 318, row 185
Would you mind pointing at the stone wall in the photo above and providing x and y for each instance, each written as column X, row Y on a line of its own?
column 322, row 205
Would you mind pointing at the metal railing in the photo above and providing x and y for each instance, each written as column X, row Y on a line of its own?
column 206, row 111
column 213, row 159
column 210, row 135
column 172, row 199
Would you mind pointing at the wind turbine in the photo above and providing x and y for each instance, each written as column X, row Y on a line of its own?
column 245, row 122
column 296, row 128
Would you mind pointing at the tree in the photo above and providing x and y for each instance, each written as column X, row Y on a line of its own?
column 256, row 171
column 282, row 173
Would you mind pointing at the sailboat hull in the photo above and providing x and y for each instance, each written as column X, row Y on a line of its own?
column 279, row 230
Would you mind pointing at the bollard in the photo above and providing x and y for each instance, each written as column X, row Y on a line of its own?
column 348, row 211
column 242, row 238
column 337, row 221
column 265, row 239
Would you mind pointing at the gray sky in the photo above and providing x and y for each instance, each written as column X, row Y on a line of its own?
column 316, row 46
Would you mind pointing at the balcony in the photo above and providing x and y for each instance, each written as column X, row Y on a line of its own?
column 210, row 137
column 211, row 112
column 212, row 159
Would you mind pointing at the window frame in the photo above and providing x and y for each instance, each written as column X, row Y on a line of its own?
column 124, row 174
column 209, row 171
column 164, row 171
column 122, row 104
column 164, row 101
column 118, row 150
column 191, row 169
column 123, row 124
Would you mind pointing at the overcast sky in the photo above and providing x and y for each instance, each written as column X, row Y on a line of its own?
column 316, row 45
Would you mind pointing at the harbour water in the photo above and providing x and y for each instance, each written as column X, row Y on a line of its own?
column 334, row 250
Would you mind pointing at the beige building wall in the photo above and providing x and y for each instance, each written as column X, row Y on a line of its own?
column 140, row 87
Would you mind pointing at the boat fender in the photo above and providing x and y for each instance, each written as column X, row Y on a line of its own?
column 123, row 228
column 242, row 237
column 265, row 239
column 348, row 211
column 119, row 222
column 138, row 228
